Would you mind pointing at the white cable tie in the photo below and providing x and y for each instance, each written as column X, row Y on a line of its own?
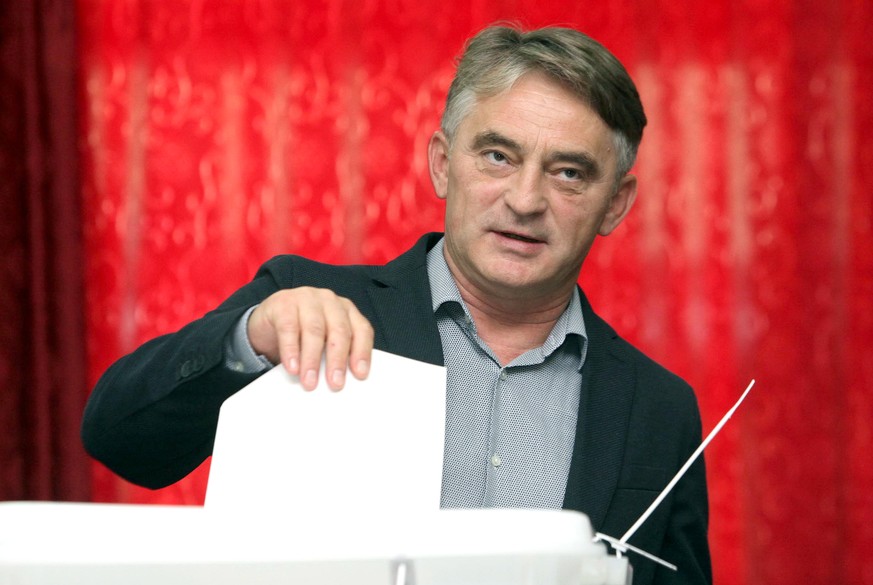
column 623, row 540
column 621, row 547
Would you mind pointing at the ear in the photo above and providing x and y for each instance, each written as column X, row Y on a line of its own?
column 621, row 203
column 438, row 163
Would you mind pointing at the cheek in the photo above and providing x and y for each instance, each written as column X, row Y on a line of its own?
column 472, row 183
column 457, row 214
column 576, row 224
column 470, row 198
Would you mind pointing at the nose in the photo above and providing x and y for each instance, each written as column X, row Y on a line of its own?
column 526, row 195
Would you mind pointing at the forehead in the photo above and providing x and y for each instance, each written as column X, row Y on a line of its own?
column 538, row 112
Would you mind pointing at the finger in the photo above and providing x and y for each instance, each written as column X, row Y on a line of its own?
column 360, row 354
column 287, row 331
column 313, row 331
column 339, row 340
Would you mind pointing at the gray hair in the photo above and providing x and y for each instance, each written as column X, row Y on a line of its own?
column 499, row 56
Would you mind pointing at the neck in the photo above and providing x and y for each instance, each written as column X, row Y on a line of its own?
column 512, row 325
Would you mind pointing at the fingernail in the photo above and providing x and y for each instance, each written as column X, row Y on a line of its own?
column 292, row 364
column 363, row 368
column 310, row 379
column 338, row 377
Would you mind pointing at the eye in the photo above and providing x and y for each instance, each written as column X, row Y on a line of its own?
column 570, row 174
column 496, row 157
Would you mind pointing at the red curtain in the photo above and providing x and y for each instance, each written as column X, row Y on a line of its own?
column 217, row 134
column 42, row 327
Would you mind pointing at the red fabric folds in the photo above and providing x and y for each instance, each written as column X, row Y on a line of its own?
column 42, row 357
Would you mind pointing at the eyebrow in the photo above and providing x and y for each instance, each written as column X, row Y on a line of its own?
column 492, row 138
column 587, row 163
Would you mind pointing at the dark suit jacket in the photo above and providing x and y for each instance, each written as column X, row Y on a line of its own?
column 152, row 416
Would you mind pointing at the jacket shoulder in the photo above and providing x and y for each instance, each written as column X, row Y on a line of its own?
column 289, row 270
column 651, row 376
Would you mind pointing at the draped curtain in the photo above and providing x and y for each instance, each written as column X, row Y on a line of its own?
column 42, row 326
column 216, row 134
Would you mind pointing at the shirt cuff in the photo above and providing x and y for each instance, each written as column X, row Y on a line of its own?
column 239, row 355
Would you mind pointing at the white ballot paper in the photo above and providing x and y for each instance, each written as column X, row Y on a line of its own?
column 375, row 447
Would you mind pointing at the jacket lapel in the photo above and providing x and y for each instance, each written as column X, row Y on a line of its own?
column 601, row 431
column 401, row 299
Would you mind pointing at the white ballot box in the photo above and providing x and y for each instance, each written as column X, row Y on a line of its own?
column 312, row 488
column 109, row 544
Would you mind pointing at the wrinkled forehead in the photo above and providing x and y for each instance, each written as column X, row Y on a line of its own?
column 535, row 104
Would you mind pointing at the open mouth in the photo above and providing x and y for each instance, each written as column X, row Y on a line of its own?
column 520, row 238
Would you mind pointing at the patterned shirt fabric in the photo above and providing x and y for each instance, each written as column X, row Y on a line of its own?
column 510, row 429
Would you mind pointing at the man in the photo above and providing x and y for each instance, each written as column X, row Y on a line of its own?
column 546, row 405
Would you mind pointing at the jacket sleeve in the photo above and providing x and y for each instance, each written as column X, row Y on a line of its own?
column 151, row 418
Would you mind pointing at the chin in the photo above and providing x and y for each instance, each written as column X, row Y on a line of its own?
column 519, row 285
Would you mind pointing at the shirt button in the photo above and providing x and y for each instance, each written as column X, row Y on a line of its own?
column 495, row 460
column 503, row 374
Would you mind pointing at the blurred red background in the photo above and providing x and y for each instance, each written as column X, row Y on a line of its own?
column 214, row 134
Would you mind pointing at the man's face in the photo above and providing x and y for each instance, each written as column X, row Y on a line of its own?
column 529, row 182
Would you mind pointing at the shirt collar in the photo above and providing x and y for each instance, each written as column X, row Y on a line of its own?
column 444, row 290
column 442, row 285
